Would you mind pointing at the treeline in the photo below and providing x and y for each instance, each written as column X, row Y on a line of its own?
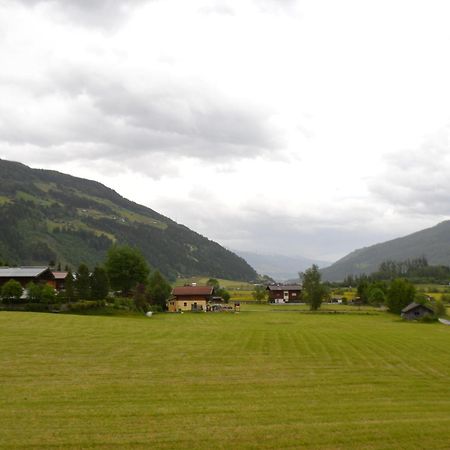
column 125, row 281
column 416, row 270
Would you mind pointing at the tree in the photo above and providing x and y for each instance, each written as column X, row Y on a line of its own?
column 99, row 284
column 69, row 288
column 47, row 294
column 214, row 283
column 141, row 298
column 376, row 296
column 34, row 292
column 259, row 293
column 219, row 291
column 313, row 289
column 82, row 283
column 400, row 294
column 126, row 267
column 12, row 290
column 439, row 309
column 362, row 291
column 158, row 289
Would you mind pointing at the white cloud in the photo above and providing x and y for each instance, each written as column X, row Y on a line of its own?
column 293, row 125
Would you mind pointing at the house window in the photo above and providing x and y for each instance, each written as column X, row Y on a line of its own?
column 185, row 304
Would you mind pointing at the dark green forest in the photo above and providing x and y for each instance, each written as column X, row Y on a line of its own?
column 48, row 216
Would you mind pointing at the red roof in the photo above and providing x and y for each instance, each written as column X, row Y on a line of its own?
column 193, row 290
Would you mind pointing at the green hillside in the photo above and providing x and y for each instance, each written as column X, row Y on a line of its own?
column 433, row 243
column 50, row 216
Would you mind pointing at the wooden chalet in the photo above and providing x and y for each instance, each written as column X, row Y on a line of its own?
column 27, row 274
column 190, row 298
column 60, row 280
column 415, row 311
column 284, row 293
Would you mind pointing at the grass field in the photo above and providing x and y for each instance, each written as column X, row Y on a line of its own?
column 267, row 378
column 232, row 285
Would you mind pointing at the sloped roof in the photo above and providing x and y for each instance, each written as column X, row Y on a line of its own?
column 22, row 272
column 60, row 275
column 286, row 287
column 193, row 290
column 414, row 305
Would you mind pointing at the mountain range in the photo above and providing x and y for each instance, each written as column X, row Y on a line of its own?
column 433, row 243
column 50, row 216
column 279, row 267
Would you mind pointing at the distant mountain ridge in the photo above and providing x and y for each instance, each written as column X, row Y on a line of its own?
column 279, row 267
column 433, row 243
column 47, row 215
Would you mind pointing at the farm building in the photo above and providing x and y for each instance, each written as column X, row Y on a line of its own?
column 288, row 293
column 190, row 298
column 416, row 311
column 60, row 280
column 27, row 274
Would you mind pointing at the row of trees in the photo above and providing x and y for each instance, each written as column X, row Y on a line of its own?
column 396, row 294
column 125, row 272
column 417, row 270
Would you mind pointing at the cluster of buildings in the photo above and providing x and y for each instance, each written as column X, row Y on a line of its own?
column 201, row 298
column 183, row 298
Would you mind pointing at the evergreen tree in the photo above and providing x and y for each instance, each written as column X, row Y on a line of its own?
column 99, row 284
column 69, row 288
column 158, row 289
column 82, row 283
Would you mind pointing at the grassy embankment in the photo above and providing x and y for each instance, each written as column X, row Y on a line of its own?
column 258, row 379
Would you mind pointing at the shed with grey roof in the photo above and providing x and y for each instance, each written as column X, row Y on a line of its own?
column 415, row 311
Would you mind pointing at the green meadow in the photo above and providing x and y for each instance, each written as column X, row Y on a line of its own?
column 265, row 378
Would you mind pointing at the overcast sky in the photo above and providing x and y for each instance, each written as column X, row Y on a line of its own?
column 294, row 127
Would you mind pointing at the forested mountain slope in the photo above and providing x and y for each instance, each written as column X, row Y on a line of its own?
column 433, row 243
column 49, row 216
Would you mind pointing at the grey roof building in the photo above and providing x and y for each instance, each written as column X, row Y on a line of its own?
column 416, row 311
column 26, row 274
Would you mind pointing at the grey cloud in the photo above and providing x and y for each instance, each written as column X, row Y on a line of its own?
column 417, row 181
column 124, row 121
column 96, row 13
column 262, row 230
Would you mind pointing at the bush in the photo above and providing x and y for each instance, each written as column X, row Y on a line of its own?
column 439, row 309
column 36, row 307
column 124, row 303
column 428, row 318
column 12, row 291
column 85, row 305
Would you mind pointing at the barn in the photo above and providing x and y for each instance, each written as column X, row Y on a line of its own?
column 415, row 311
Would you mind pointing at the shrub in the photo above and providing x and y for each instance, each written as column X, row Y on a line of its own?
column 439, row 308
column 428, row 318
column 12, row 291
